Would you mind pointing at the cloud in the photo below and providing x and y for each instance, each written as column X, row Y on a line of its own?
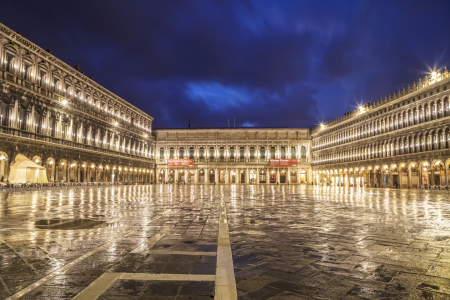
column 270, row 63
column 248, row 124
column 218, row 97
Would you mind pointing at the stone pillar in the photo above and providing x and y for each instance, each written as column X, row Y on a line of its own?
column 409, row 179
column 175, row 179
column 207, row 172
column 78, row 173
column 257, row 175
column 196, row 175
column 267, row 176
column 446, row 176
column 227, row 175
column 216, row 176
column 247, row 177
column 278, row 176
column 288, row 176
column 186, row 175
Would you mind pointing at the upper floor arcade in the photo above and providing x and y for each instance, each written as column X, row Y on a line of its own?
column 417, row 109
column 232, row 144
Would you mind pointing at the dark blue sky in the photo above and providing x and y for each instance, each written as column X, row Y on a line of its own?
column 265, row 63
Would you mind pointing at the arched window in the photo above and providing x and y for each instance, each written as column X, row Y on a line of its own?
column 293, row 152
column 161, row 153
column 241, row 154
column 211, row 153
column 191, row 153
column 262, row 153
column 303, row 152
column 283, row 152
column 232, row 153
column 252, row 152
column 222, row 153
column 181, row 152
column 172, row 152
column 272, row 152
column 202, row 153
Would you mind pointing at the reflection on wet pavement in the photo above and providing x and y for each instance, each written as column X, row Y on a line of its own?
column 72, row 224
column 288, row 242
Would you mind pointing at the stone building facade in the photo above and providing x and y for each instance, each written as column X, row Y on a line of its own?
column 234, row 155
column 402, row 140
column 65, row 121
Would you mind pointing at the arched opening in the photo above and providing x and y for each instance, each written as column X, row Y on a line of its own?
column 438, row 175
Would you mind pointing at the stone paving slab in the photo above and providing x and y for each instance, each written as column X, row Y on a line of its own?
column 282, row 242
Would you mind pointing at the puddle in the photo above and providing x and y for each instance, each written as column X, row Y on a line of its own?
column 72, row 224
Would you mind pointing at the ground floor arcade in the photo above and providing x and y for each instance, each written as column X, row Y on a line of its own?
column 238, row 175
column 406, row 174
column 76, row 167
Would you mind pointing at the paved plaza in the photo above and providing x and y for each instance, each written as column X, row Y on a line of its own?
column 205, row 241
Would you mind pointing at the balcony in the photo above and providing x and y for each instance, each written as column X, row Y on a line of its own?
column 24, row 135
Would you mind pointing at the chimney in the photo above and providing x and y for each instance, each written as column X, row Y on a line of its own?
column 19, row 33
column 82, row 73
column 77, row 67
column 49, row 50
column 92, row 78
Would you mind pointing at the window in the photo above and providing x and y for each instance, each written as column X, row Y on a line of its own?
column 283, row 152
column 293, row 152
column 252, row 152
column 172, row 152
column 191, row 153
column 241, row 150
column 222, row 153
column 161, row 153
column 232, row 152
column 55, row 83
column 202, row 153
column 9, row 60
column 262, row 153
column 211, row 153
column 303, row 152
column 41, row 78
column 181, row 152
column 27, row 72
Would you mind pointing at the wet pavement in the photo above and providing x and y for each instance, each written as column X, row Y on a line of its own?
column 287, row 242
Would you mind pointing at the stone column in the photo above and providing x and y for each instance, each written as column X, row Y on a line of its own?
column 247, row 176
column 216, row 176
column 78, row 173
column 196, row 175
column 175, row 179
column 207, row 172
column 446, row 176
column 409, row 178
column 288, row 175
column 227, row 175
column 267, row 176
column 257, row 175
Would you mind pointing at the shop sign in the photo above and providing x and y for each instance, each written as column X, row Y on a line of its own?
column 180, row 163
column 282, row 162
